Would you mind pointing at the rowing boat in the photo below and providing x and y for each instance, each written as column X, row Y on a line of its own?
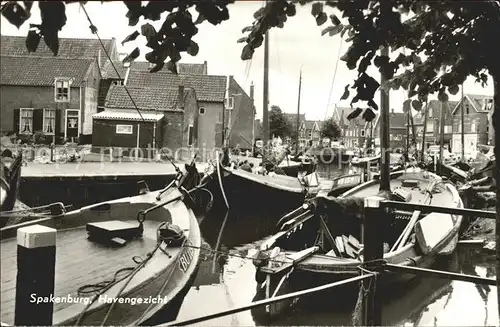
column 96, row 248
column 327, row 248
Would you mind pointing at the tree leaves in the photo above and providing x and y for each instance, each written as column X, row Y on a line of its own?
column 193, row 48
column 372, row 104
column 332, row 30
column 355, row 113
column 442, row 96
column 131, row 56
column 131, row 37
column 247, row 52
column 316, row 9
column 321, row 19
column 148, row 31
column 453, row 89
column 369, row 115
column 335, row 20
column 53, row 15
column 157, row 67
column 172, row 67
column 15, row 13
column 32, row 40
column 345, row 95
column 406, row 106
column 417, row 105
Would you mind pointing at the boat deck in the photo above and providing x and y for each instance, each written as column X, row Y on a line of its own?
column 277, row 181
column 78, row 262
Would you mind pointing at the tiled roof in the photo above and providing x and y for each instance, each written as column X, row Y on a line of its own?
column 128, row 115
column 309, row 124
column 68, row 48
column 435, row 105
column 145, row 98
column 209, row 88
column 182, row 68
column 41, row 71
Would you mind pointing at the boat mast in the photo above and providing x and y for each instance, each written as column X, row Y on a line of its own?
column 298, row 115
column 425, row 129
column 384, row 132
column 462, row 124
column 265, row 104
column 441, row 133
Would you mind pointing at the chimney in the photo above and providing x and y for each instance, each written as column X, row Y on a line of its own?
column 99, row 58
column 180, row 97
column 205, row 68
column 251, row 90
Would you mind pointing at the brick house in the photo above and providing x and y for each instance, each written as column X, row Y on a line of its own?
column 53, row 96
column 45, row 85
column 168, row 119
column 432, row 135
column 292, row 120
column 213, row 93
column 309, row 132
column 477, row 124
column 354, row 131
column 397, row 130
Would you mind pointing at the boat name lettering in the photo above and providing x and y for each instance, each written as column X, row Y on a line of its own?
column 186, row 257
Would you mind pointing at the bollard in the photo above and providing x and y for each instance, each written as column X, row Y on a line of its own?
column 36, row 259
column 373, row 240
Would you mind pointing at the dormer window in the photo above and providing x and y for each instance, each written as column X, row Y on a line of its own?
column 118, row 82
column 62, row 90
column 230, row 103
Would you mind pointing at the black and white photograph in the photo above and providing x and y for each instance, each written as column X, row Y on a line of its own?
column 250, row 163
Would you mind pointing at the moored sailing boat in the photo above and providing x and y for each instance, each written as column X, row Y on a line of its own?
column 10, row 178
column 324, row 246
column 94, row 251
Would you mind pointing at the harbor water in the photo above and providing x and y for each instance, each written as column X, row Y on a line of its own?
column 227, row 281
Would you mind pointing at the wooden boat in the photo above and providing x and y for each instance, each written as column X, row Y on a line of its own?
column 328, row 250
column 250, row 193
column 10, row 179
column 95, row 254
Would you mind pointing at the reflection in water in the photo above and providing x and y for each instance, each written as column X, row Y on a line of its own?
column 230, row 282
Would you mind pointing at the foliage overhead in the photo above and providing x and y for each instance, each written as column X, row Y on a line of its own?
column 331, row 129
column 278, row 124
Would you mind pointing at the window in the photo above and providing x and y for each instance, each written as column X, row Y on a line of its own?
column 118, row 82
column 190, row 135
column 429, row 114
column 26, row 121
column 430, row 126
column 362, row 132
column 447, row 129
column 467, row 108
column 124, row 129
column 49, row 121
column 202, row 111
column 61, row 91
column 310, row 133
column 473, row 127
column 230, row 103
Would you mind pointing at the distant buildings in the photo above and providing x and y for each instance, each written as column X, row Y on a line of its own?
column 78, row 95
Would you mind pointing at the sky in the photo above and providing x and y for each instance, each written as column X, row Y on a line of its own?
column 298, row 44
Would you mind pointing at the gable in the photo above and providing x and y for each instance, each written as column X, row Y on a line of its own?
column 480, row 103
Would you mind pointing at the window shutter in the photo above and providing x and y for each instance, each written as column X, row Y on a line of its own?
column 37, row 120
column 17, row 121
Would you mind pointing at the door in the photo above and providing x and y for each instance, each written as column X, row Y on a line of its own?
column 72, row 122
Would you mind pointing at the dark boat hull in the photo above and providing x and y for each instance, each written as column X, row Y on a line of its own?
column 294, row 170
column 247, row 197
column 10, row 182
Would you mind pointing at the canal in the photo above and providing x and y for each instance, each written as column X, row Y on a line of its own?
column 227, row 279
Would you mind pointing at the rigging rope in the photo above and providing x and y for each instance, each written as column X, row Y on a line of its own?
column 93, row 29
column 334, row 76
